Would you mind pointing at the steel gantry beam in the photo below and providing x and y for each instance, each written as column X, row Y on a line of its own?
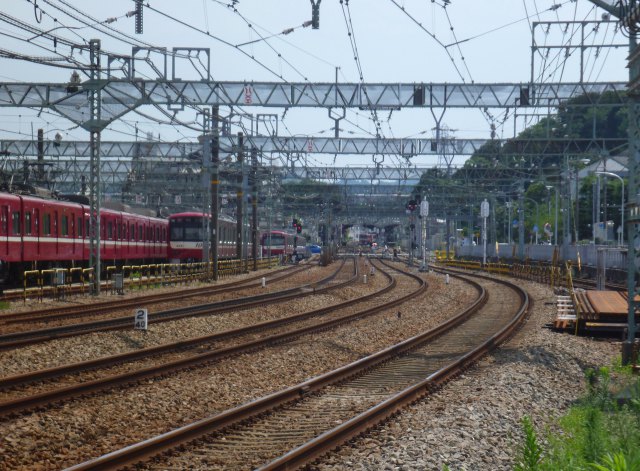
column 71, row 100
column 311, row 145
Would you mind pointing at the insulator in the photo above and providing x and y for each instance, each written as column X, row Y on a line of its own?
column 138, row 16
column 315, row 14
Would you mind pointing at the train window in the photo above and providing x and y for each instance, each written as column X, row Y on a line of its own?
column 149, row 234
column 110, row 230
column 164, row 234
column 27, row 223
column 157, row 234
column 46, row 224
column 15, row 223
column 86, row 226
column 140, row 232
column 4, row 220
column 132, row 231
column 64, row 223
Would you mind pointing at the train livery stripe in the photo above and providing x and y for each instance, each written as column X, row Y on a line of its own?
column 53, row 240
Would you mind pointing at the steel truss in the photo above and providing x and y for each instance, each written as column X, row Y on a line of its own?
column 72, row 100
column 310, row 145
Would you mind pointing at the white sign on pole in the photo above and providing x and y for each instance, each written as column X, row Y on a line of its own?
column 484, row 209
column 424, row 209
column 141, row 319
column 484, row 212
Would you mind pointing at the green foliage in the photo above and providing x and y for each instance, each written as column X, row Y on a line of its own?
column 616, row 462
column 596, row 434
column 5, row 305
column 530, row 451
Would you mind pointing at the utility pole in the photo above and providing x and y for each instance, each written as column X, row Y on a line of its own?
column 627, row 13
column 239, row 197
column 215, row 186
column 95, row 126
column 206, row 199
column 254, row 207
column 521, row 221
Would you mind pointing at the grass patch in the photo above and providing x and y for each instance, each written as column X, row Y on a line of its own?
column 600, row 432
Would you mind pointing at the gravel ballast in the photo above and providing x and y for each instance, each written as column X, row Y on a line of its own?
column 473, row 423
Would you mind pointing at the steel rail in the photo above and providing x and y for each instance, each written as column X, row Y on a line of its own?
column 360, row 424
column 154, row 446
column 39, row 400
column 17, row 339
column 52, row 373
column 69, row 311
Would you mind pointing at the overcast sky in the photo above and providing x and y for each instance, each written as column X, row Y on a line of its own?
column 482, row 41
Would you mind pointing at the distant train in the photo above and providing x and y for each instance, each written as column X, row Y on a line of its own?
column 187, row 233
column 276, row 243
column 367, row 238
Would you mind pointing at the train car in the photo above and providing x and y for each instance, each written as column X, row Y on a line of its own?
column 275, row 243
column 186, row 235
column 367, row 238
column 38, row 233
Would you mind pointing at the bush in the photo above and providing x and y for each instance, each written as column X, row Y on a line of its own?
column 597, row 433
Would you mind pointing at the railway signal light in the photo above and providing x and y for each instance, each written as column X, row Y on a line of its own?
column 299, row 228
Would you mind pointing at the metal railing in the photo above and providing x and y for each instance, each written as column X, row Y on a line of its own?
column 59, row 282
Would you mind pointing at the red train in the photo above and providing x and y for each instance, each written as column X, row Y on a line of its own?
column 37, row 233
column 276, row 243
column 186, row 236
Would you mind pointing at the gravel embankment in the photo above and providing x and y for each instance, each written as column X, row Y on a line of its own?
column 473, row 423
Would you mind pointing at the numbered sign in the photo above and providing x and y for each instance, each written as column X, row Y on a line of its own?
column 141, row 319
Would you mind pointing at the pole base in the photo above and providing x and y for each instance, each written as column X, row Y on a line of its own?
column 627, row 352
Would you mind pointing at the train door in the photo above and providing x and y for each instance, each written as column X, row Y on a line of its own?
column 36, row 230
column 4, row 230
column 55, row 234
column 72, row 234
column 27, row 233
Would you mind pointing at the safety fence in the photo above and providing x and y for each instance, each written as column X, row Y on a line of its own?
column 59, row 282
column 553, row 275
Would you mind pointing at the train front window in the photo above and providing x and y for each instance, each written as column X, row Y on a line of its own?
column 176, row 230
column 275, row 240
column 193, row 229
column 187, row 229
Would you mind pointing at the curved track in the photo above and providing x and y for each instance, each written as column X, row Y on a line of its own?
column 54, row 314
column 23, row 338
column 299, row 423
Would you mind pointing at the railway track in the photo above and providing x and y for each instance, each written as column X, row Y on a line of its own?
column 292, row 427
column 74, row 311
column 43, row 387
column 23, row 338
